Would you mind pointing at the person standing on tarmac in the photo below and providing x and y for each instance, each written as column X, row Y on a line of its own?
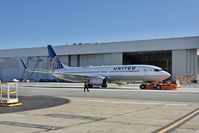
column 86, row 85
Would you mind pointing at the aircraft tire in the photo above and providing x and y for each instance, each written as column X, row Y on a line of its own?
column 158, row 87
column 142, row 86
column 104, row 86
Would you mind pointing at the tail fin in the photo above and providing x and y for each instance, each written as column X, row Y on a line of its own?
column 56, row 63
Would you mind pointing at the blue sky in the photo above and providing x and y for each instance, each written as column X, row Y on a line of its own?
column 35, row 23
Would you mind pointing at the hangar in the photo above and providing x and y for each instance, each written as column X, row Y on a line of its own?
column 178, row 56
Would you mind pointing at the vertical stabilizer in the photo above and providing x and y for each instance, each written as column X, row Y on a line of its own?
column 56, row 63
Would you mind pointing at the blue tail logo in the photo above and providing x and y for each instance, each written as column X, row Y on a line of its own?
column 56, row 63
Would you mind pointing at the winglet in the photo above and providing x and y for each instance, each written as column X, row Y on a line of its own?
column 24, row 64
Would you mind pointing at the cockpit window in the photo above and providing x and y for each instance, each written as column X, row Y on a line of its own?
column 157, row 70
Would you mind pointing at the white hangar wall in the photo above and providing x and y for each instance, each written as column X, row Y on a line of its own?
column 185, row 60
column 101, row 59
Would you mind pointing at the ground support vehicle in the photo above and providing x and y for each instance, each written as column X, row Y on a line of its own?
column 161, row 85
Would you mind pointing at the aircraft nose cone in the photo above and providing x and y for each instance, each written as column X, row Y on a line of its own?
column 166, row 75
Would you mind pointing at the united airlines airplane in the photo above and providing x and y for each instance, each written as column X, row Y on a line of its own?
column 101, row 75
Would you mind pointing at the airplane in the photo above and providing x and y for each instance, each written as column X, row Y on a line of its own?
column 101, row 75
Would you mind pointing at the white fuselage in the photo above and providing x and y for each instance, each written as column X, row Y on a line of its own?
column 113, row 73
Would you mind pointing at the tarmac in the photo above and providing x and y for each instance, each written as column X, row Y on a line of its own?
column 61, row 108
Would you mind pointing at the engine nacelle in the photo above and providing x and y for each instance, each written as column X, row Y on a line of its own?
column 99, row 81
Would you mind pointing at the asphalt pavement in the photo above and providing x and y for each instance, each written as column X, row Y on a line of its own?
column 64, row 107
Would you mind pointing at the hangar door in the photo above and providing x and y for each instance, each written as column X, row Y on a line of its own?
column 158, row 58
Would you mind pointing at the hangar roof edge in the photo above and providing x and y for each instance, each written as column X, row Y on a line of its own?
column 109, row 47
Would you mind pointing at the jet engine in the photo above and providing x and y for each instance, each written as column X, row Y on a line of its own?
column 99, row 81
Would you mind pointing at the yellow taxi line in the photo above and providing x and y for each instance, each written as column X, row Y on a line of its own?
column 180, row 121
